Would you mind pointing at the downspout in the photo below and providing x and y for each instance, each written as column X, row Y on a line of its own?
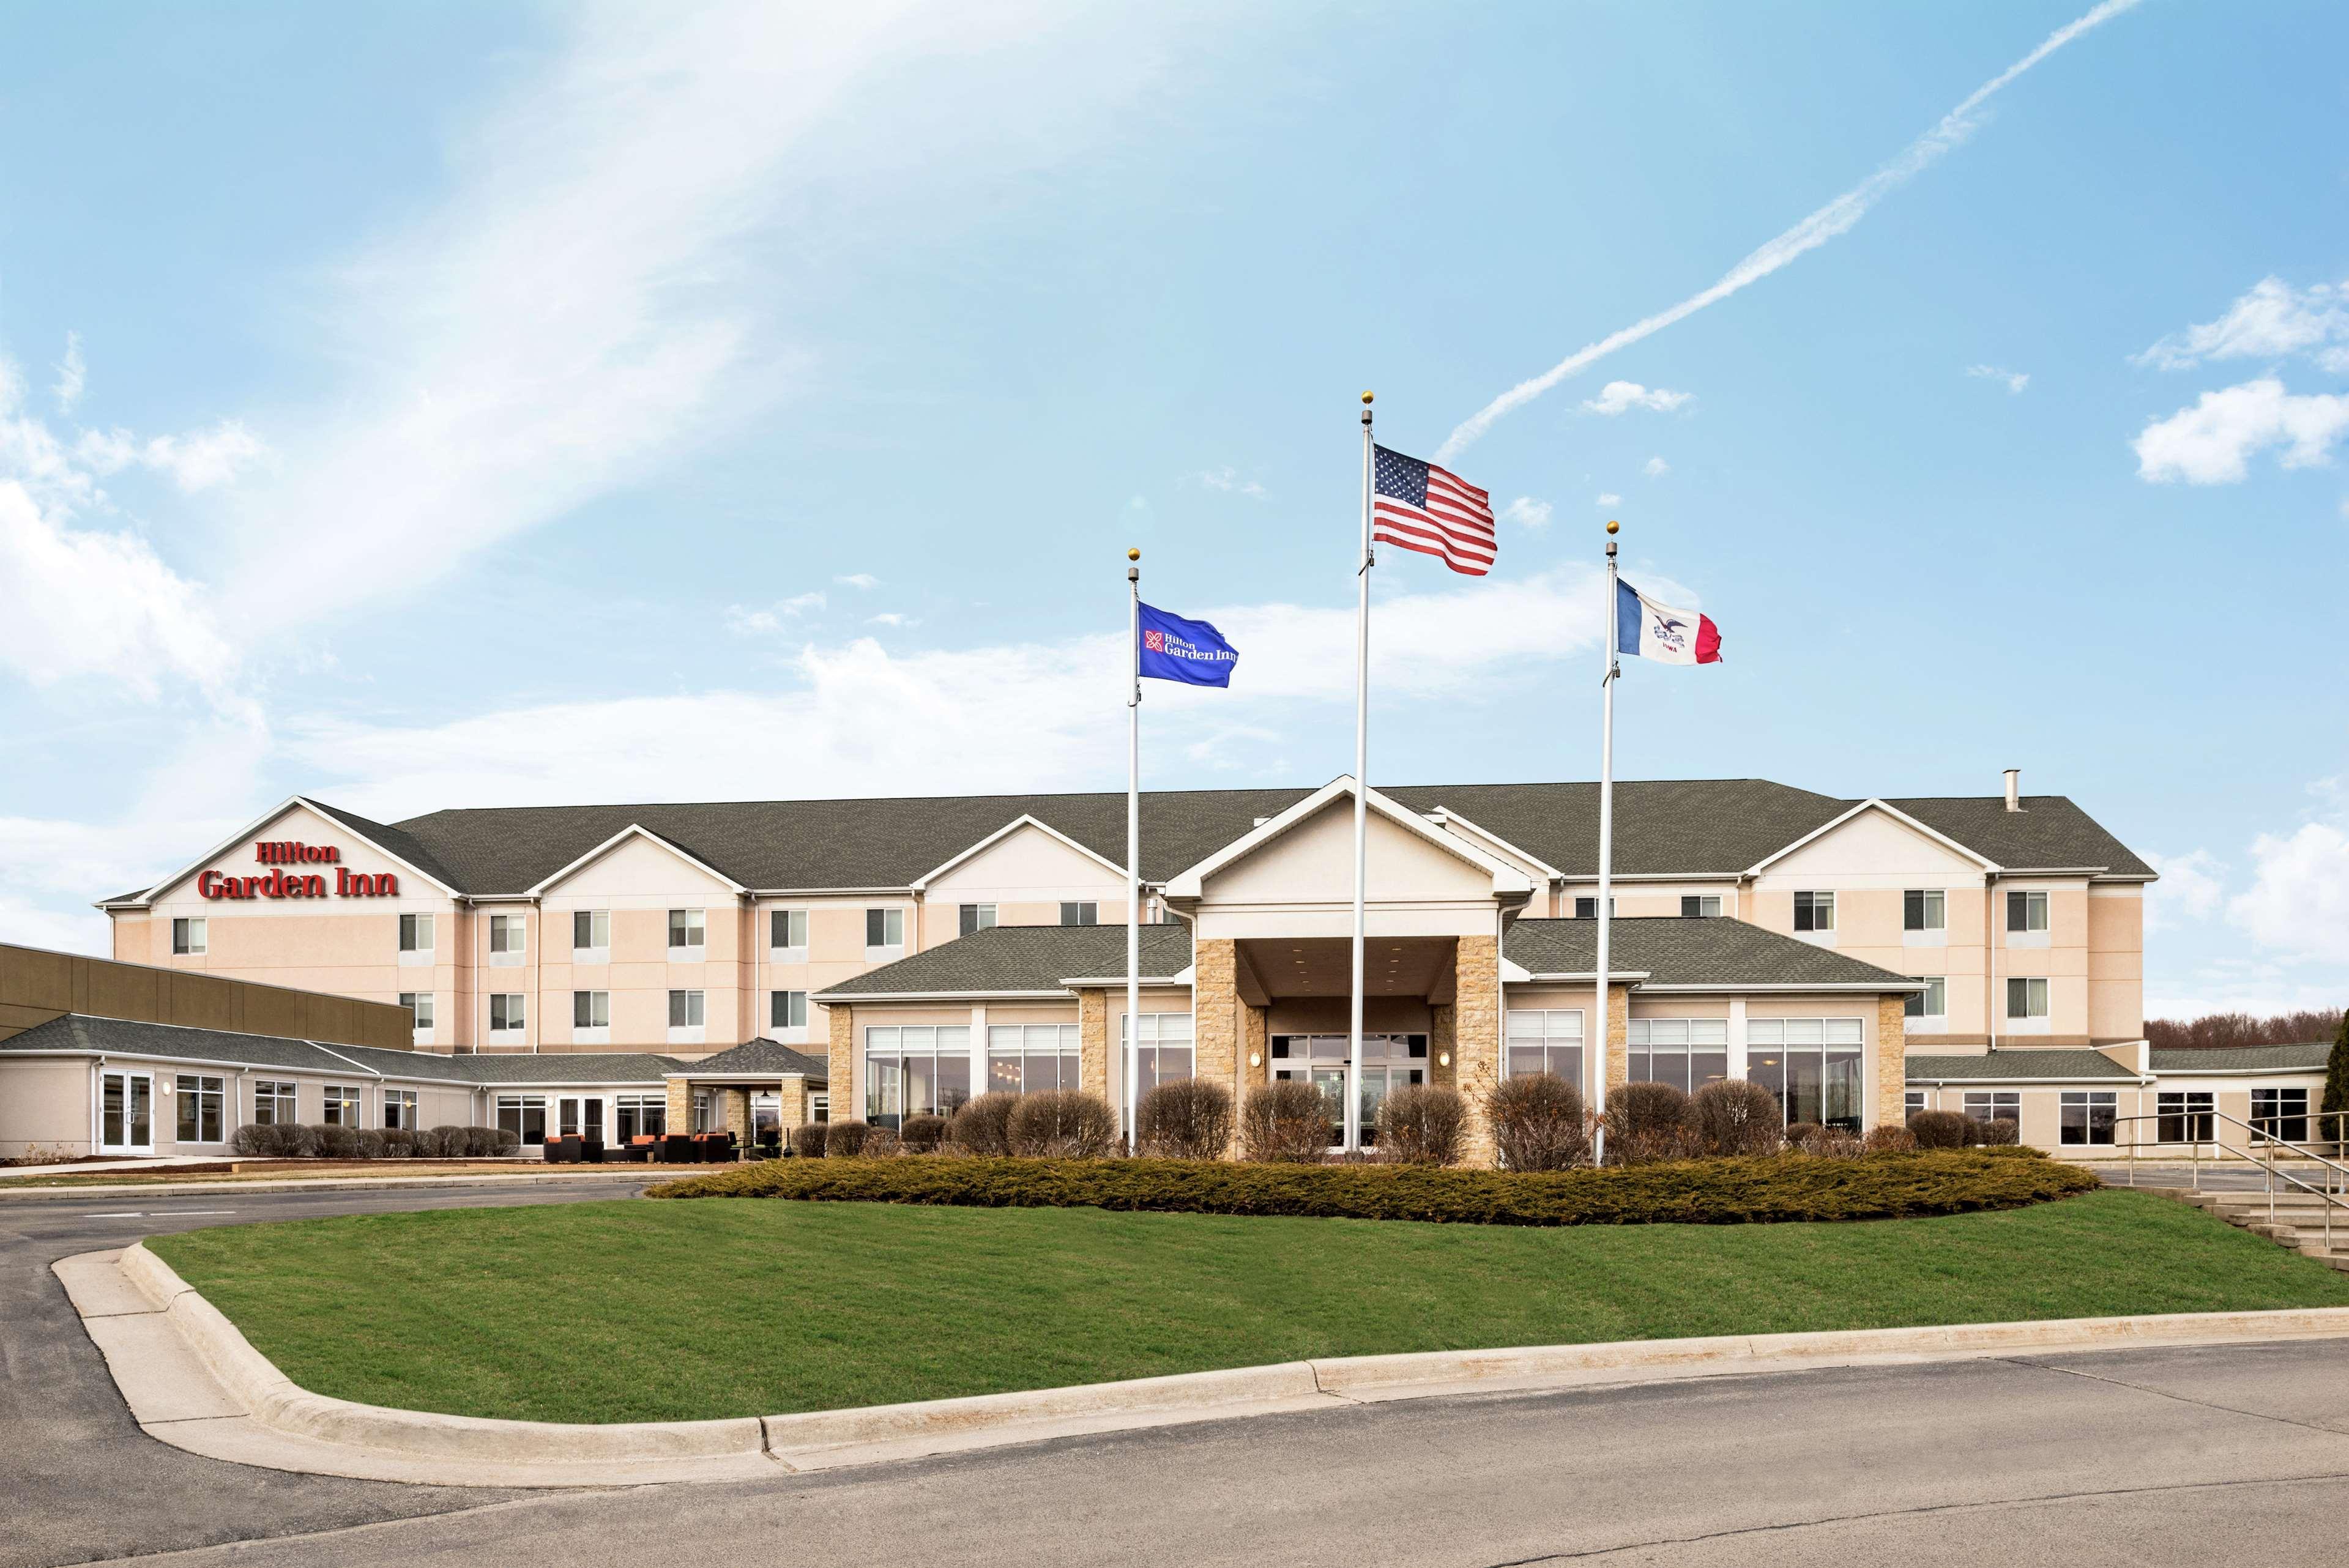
column 1990, row 952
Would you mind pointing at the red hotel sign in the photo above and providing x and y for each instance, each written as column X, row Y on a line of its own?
column 280, row 883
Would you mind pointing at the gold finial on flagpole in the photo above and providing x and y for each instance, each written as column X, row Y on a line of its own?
column 1613, row 526
column 1366, row 397
column 1133, row 556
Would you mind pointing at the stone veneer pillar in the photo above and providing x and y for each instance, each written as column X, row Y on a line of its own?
column 1619, row 1036
column 1443, row 1040
column 680, row 1106
column 842, row 1084
column 1475, row 1027
column 1218, row 1029
column 1092, row 1042
column 1891, row 1062
column 737, row 1102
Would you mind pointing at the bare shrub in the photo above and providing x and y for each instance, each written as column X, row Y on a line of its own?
column 446, row 1141
column 882, row 1143
column 398, row 1143
column 1733, row 1118
column 1806, row 1137
column 1539, row 1122
column 1890, row 1140
column 1646, row 1122
column 2000, row 1132
column 846, row 1140
column 1187, row 1119
column 368, row 1143
column 983, row 1126
column 253, row 1141
column 923, row 1134
column 1285, row 1121
column 334, row 1142
column 1938, row 1129
column 1062, row 1124
column 809, row 1140
column 1422, row 1124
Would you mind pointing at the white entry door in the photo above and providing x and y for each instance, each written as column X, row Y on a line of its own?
column 126, row 1113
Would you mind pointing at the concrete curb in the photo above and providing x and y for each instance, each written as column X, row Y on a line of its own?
column 220, row 1185
column 272, row 1421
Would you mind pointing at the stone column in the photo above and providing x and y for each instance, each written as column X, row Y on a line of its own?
column 1475, row 1021
column 1443, row 1040
column 680, row 1106
column 842, row 1020
column 736, row 1108
column 1216, row 1022
column 1619, row 1036
column 1891, row 1063
column 1093, row 1041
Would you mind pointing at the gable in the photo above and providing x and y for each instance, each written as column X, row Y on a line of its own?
column 1874, row 847
column 1313, row 862
column 297, row 843
column 1027, row 863
column 637, row 866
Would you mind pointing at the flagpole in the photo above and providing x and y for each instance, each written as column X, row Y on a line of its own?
column 1353, row 1093
column 1605, row 841
column 1132, row 839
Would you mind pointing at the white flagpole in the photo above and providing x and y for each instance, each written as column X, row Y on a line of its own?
column 1353, row 1094
column 1132, row 839
column 1606, row 840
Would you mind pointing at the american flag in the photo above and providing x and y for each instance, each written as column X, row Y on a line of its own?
column 1422, row 506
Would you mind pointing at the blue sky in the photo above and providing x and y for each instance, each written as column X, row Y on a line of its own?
column 470, row 405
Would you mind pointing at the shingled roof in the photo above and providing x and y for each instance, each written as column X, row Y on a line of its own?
column 2022, row 1066
column 2310, row 1058
column 82, row 1032
column 1671, row 950
column 1014, row 959
column 764, row 1057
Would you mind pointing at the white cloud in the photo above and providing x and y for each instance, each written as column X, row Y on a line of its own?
column 2015, row 380
column 1533, row 514
column 1605, row 498
column 2209, row 444
column 1229, row 480
column 1655, row 469
column 2269, row 322
column 1836, row 217
column 2191, row 888
column 867, row 580
column 73, row 377
column 745, row 621
column 2298, row 902
column 892, row 618
column 1621, row 397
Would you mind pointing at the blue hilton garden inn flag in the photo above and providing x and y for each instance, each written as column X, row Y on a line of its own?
column 1192, row 652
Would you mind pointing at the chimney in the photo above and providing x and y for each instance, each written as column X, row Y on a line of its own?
column 2015, row 789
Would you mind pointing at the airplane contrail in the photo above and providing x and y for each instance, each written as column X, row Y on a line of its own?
column 1834, row 218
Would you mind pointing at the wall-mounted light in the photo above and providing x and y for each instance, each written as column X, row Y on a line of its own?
column 1256, row 1058
column 1444, row 1059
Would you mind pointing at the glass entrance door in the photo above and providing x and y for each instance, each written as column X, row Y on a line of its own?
column 1388, row 1063
column 126, row 1114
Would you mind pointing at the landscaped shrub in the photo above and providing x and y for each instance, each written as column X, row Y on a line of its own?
column 809, row 1140
column 253, row 1141
column 1938, row 1129
column 1996, row 1133
column 480, row 1142
column 846, row 1140
column 1061, row 1124
column 298, row 1140
column 983, row 1126
column 1539, row 1122
column 923, row 1134
column 337, row 1142
column 399, row 1143
column 1646, row 1122
column 1187, row 1119
column 1702, row 1191
column 1733, row 1118
column 369, row 1143
column 1285, row 1121
column 1422, row 1124
column 1890, row 1140
column 880, row 1142
column 446, row 1141
column 503, row 1140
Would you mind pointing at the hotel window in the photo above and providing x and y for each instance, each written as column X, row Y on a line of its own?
column 2026, row 998
column 273, row 1103
column 977, row 917
column 1547, row 1041
column 2185, row 1116
column 416, row 939
column 2087, row 1116
column 1588, row 908
column 685, row 1009
column 2280, row 1114
column 419, row 1010
column 1085, row 913
column 1810, row 1064
column 1686, row 1053
column 913, row 1070
column 701, row 1111
column 1814, row 911
column 202, row 1108
column 1022, row 1059
column 591, row 1009
column 399, row 1110
column 1161, row 1052
column 1700, row 906
column 505, row 938
column 787, row 930
column 524, row 1116
column 342, row 1105
column 1911, row 1103
column 1932, row 1002
column 883, row 928
column 506, row 1014
column 788, row 1010
column 1925, row 909
column 1987, row 1105
column 188, row 936
column 687, row 934
column 641, row 1116
column 819, row 1107
column 591, row 931
column 2026, row 912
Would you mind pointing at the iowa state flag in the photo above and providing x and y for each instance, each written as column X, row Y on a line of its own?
column 1656, row 631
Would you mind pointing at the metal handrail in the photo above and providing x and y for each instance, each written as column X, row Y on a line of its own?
column 2214, row 1115
column 2327, row 1199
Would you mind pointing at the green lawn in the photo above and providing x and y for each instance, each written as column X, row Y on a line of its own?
column 639, row 1311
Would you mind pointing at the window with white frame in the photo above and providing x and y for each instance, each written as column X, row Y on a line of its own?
column 1686, row 1053
column 506, row 938
column 2185, row 1116
column 400, row 1110
column 506, row 1012
column 342, row 1106
column 2280, row 1115
column 686, row 1009
column 787, row 1010
column 1925, row 909
column 419, row 1010
column 787, row 930
column 524, row 1116
column 591, row 931
column 1162, row 1050
column 976, row 917
column 2026, row 996
column 1080, row 913
column 1911, row 1103
column 1022, row 1059
column 1700, row 906
column 416, row 934
column 591, row 1009
column 688, row 935
column 641, row 1116
column 884, row 928
column 1987, row 1105
column 1587, row 908
column 203, row 1108
column 1814, row 911
column 2087, row 1116
column 188, row 935
column 915, row 1071
column 702, row 1112
column 1932, row 1002
column 274, row 1103
column 1545, row 1040
column 2026, row 913
column 1811, row 1065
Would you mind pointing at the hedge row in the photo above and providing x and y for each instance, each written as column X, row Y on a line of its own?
column 1755, row 1190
